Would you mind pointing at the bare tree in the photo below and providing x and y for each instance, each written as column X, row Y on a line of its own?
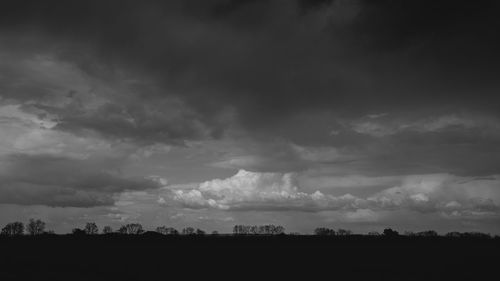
column 454, row 234
column 254, row 229
column 91, row 228
column 238, row 229
column 13, row 229
column 200, row 232
column 324, row 231
column 131, row 228
column 343, row 232
column 167, row 230
column 269, row 229
column 188, row 231
column 278, row 229
column 172, row 231
column 258, row 230
column 390, row 232
column 107, row 230
column 161, row 230
column 247, row 229
column 428, row 233
column 35, row 227
column 475, row 234
column 122, row 230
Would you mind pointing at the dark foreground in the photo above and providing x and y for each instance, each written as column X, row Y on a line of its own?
column 248, row 258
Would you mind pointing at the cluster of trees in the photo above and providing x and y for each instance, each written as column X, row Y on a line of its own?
column 13, row 229
column 89, row 229
column 432, row 233
column 328, row 231
column 427, row 233
column 34, row 227
column 136, row 229
column 268, row 229
column 131, row 229
column 192, row 231
column 455, row 234
column 167, row 230
column 37, row 227
column 389, row 232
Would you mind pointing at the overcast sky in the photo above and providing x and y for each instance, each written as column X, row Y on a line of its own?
column 342, row 113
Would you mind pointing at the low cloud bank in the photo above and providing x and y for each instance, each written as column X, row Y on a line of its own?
column 443, row 193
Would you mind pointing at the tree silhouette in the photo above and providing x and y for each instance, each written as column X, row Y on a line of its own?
column 91, row 228
column 78, row 231
column 239, row 229
column 131, row 228
column 324, row 231
column 390, row 233
column 122, row 230
column 13, row 229
column 277, row 230
column 167, row 230
column 475, row 234
column 254, row 230
column 107, row 230
column 172, row 231
column 428, row 233
column 343, row 232
column 454, row 234
column 35, row 227
column 269, row 229
column 188, row 231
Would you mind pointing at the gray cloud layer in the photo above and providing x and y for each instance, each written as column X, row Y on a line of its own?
column 61, row 181
column 277, row 58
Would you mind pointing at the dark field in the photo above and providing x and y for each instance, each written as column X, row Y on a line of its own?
column 248, row 258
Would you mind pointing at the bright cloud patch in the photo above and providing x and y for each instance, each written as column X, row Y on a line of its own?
column 448, row 194
column 441, row 193
column 263, row 191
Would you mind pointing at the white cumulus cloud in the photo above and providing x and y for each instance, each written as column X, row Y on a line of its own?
column 432, row 193
column 251, row 190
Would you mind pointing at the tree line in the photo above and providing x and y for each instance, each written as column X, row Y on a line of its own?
column 34, row 227
column 38, row 227
column 389, row 232
column 268, row 229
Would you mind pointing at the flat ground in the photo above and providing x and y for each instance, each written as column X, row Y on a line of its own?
column 247, row 258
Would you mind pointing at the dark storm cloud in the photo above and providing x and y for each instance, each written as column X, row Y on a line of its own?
column 274, row 59
column 463, row 145
column 61, row 181
column 141, row 122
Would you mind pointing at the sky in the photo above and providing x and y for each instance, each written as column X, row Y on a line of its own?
column 349, row 114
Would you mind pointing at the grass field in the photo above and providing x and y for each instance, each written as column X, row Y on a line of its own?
column 157, row 257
